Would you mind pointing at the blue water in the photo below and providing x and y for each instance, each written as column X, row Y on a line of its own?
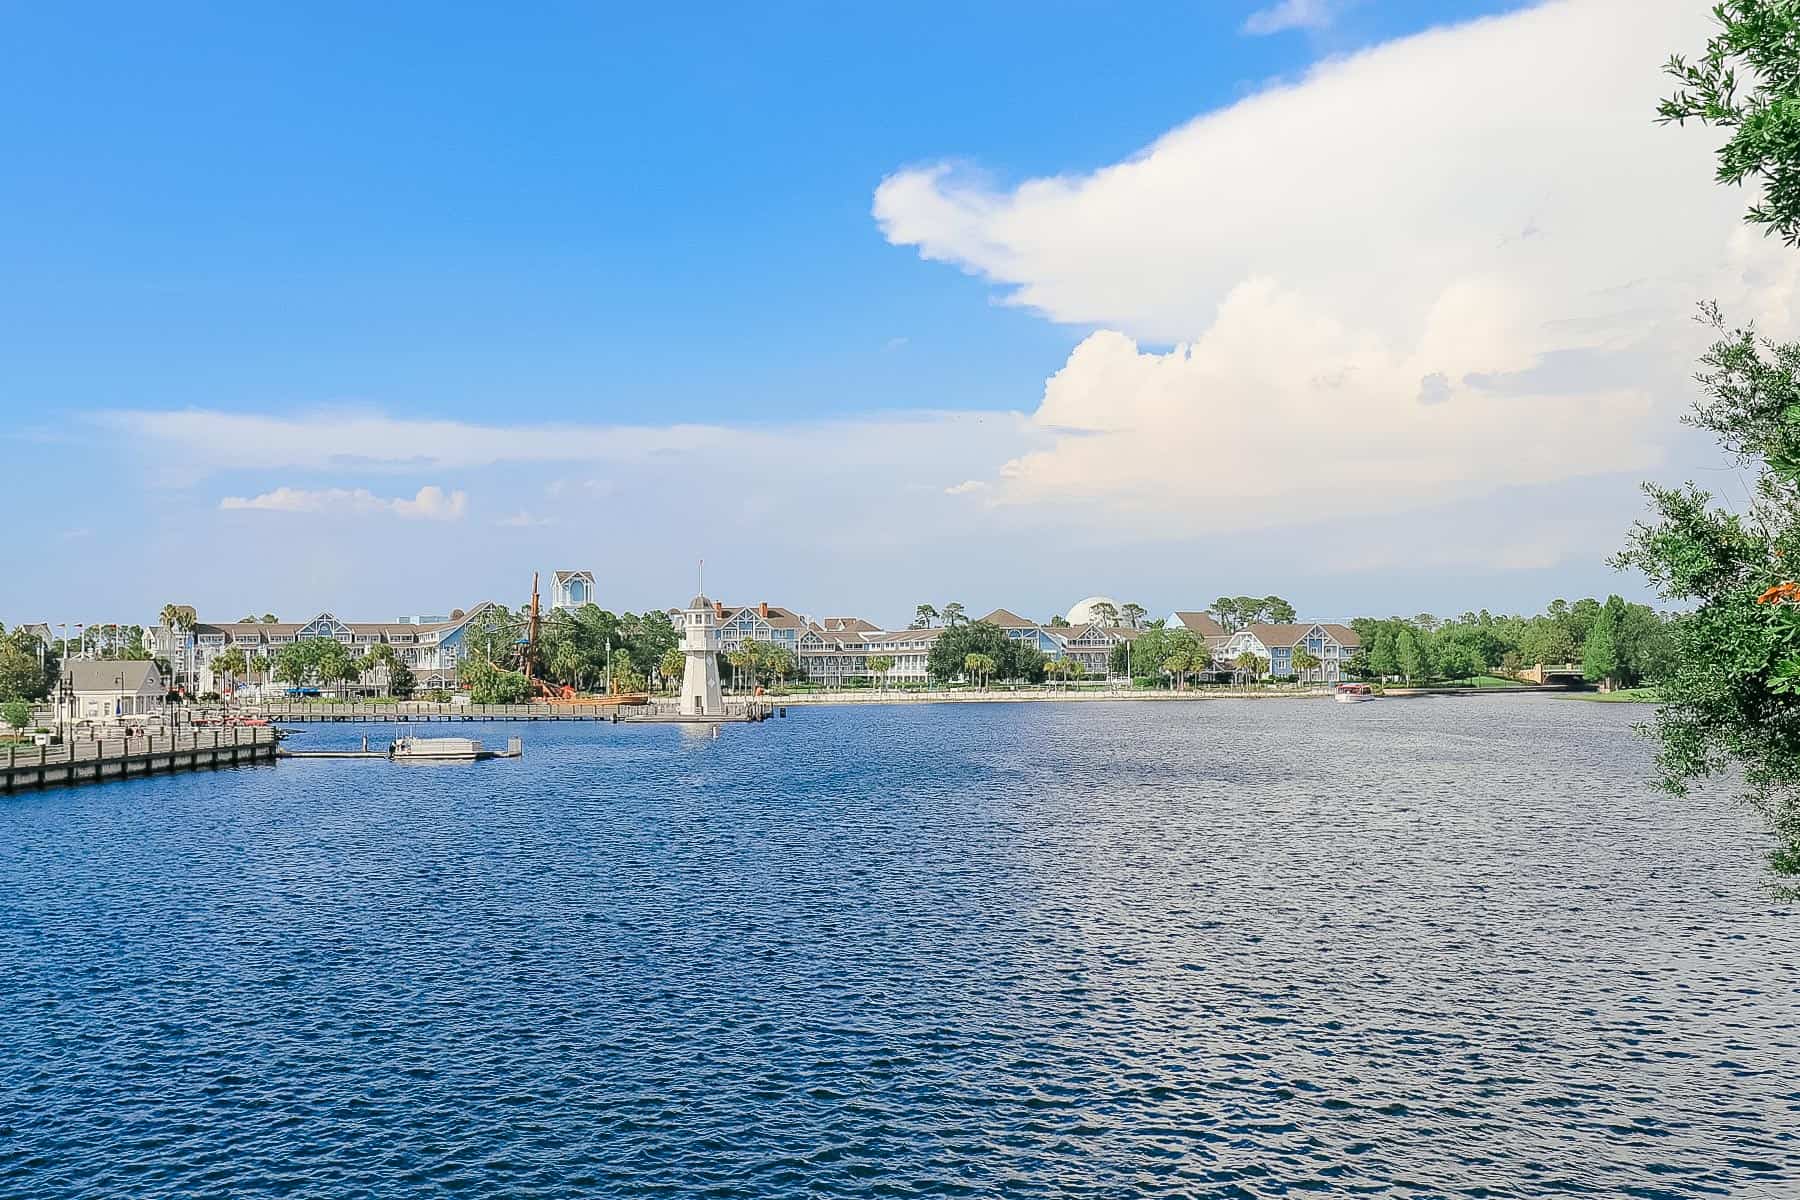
column 1433, row 948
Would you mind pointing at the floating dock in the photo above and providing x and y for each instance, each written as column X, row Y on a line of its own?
column 468, row 751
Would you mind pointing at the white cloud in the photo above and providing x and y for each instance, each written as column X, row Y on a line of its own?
column 1455, row 262
column 429, row 504
column 965, row 487
column 1289, row 14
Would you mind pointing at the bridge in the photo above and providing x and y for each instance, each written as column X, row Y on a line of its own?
column 1563, row 673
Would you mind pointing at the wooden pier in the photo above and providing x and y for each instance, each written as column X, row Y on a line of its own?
column 418, row 712
column 117, row 757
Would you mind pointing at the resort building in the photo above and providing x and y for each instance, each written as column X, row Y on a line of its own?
column 1201, row 625
column 431, row 649
column 1331, row 644
column 838, row 651
column 571, row 589
column 763, row 622
column 109, row 690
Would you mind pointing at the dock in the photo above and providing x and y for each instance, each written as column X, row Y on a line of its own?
column 746, row 713
column 413, row 712
column 106, row 758
column 514, row 749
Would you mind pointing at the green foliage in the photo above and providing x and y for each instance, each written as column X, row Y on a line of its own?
column 22, row 677
column 880, row 664
column 401, row 681
column 1411, row 655
column 1235, row 612
column 1728, row 697
column 672, row 665
column 16, row 713
column 1600, row 660
column 1748, row 81
column 1011, row 660
column 491, row 684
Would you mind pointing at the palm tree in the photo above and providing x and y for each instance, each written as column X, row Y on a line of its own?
column 742, row 659
column 980, row 667
column 181, row 619
column 1304, row 661
column 1176, row 667
column 1249, row 663
column 671, row 666
column 923, row 616
column 881, row 664
column 230, row 664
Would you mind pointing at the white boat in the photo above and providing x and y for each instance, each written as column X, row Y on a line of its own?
column 1354, row 693
column 443, row 749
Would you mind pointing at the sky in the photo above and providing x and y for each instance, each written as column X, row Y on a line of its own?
column 1383, row 307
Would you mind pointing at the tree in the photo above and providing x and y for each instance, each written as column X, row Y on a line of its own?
column 1384, row 660
column 1759, row 42
column 247, row 620
column 671, row 665
column 16, row 713
column 743, row 662
column 401, row 681
column 954, row 615
column 924, row 616
column 380, row 660
column 880, row 665
column 1456, row 661
column 490, row 684
column 779, row 663
column 1276, row 611
column 22, row 677
column 1600, row 661
column 1250, row 663
column 1133, row 614
column 494, row 636
column 231, row 664
column 1306, row 661
column 270, row 619
column 980, row 668
column 1411, row 656
column 1105, row 614
column 1731, row 691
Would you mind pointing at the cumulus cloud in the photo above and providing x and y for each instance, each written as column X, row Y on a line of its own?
column 429, row 504
column 1289, row 14
column 1317, row 267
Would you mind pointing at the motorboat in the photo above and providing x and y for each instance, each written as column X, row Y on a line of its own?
column 1354, row 693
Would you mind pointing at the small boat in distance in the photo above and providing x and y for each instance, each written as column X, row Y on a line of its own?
column 1354, row 693
column 448, row 749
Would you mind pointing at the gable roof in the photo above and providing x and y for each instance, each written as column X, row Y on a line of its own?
column 1202, row 624
column 1007, row 619
column 112, row 675
column 848, row 625
column 1294, row 633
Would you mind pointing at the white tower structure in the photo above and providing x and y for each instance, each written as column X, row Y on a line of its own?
column 700, row 693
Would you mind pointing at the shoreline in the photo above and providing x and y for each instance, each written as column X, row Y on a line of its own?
column 853, row 698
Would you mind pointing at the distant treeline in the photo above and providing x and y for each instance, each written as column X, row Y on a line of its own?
column 1626, row 644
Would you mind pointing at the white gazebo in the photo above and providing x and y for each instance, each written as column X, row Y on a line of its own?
column 700, row 694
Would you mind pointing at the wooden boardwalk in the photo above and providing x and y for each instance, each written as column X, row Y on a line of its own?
column 421, row 713
column 116, row 757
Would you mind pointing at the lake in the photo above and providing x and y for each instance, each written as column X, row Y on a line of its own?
column 1419, row 948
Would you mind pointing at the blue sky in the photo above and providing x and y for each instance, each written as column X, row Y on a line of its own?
column 808, row 229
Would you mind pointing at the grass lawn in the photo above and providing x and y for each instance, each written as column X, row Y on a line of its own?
column 1641, row 695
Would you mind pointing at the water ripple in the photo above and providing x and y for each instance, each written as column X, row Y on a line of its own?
column 1402, row 950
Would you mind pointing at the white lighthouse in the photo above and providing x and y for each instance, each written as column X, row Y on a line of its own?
column 700, row 694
